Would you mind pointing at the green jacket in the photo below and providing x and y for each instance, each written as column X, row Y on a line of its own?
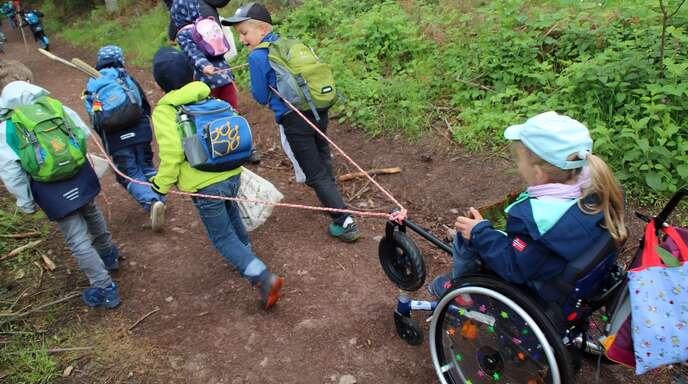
column 174, row 169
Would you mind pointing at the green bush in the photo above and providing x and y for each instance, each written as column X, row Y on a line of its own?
column 480, row 66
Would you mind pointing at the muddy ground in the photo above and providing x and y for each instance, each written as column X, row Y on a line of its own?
column 335, row 318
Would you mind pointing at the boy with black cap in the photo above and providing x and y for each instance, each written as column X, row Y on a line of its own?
column 312, row 152
column 173, row 72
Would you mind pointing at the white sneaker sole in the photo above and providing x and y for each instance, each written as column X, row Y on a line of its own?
column 157, row 216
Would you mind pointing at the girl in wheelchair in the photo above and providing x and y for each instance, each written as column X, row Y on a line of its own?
column 572, row 201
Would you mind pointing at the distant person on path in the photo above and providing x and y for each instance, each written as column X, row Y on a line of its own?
column 173, row 73
column 572, row 200
column 43, row 164
column 128, row 141
column 312, row 153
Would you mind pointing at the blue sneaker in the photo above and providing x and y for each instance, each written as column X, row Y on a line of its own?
column 111, row 260
column 108, row 297
column 439, row 285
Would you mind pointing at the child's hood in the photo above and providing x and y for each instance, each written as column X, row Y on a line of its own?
column 185, row 12
column 190, row 93
column 18, row 93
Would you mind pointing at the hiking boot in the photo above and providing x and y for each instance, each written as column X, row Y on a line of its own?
column 347, row 232
column 111, row 260
column 157, row 215
column 270, row 290
column 107, row 297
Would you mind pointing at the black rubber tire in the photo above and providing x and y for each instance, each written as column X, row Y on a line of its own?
column 408, row 329
column 402, row 261
column 564, row 361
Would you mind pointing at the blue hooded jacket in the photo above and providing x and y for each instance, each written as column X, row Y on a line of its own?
column 542, row 237
column 262, row 76
column 186, row 12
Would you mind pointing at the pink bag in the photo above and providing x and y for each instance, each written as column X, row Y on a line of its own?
column 208, row 36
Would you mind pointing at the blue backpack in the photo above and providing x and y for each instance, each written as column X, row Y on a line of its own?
column 214, row 137
column 31, row 18
column 113, row 101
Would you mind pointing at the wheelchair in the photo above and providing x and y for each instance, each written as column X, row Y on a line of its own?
column 484, row 329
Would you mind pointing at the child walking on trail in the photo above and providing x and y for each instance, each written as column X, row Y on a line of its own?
column 572, row 200
column 173, row 73
column 212, row 70
column 312, row 152
column 128, row 144
column 46, row 168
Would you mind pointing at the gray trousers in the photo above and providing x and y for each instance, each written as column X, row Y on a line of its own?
column 87, row 236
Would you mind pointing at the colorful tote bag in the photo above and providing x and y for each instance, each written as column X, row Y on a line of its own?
column 659, row 302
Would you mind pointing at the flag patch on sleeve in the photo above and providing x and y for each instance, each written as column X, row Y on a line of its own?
column 519, row 244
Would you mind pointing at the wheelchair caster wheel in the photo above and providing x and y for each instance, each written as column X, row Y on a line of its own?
column 408, row 329
column 402, row 261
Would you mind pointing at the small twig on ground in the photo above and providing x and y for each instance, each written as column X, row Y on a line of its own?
column 54, row 350
column 18, row 298
column 17, row 315
column 483, row 87
column 377, row 171
column 498, row 151
column 17, row 251
column 142, row 318
column 361, row 191
column 341, row 266
column 40, row 276
column 21, row 235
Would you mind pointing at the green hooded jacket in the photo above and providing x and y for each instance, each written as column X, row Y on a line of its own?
column 174, row 169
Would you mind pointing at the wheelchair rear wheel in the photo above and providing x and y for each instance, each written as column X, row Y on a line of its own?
column 486, row 330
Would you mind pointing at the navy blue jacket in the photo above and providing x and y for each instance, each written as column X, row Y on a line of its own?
column 137, row 134
column 61, row 198
column 526, row 255
column 262, row 76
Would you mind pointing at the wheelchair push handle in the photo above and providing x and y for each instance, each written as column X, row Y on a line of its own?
column 660, row 220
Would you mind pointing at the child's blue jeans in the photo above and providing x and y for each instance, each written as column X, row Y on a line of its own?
column 136, row 161
column 466, row 258
column 87, row 236
column 225, row 229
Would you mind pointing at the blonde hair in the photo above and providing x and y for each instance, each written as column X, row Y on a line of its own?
column 265, row 27
column 603, row 186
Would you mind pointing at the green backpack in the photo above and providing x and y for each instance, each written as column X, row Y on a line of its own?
column 50, row 147
column 302, row 78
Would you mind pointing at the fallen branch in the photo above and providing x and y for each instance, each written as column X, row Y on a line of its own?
column 483, row 87
column 377, row 171
column 18, row 315
column 17, row 251
column 21, row 235
column 142, row 318
column 54, row 350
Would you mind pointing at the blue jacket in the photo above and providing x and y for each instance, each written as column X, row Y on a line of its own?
column 542, row 236
column 186, row 12
column 137, row 134
column 262, row 76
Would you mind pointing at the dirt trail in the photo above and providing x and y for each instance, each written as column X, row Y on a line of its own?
column 336, row 315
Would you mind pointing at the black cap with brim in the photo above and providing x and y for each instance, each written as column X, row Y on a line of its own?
column 250, row 11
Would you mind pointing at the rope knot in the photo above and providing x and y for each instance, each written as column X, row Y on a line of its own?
column 398, row 216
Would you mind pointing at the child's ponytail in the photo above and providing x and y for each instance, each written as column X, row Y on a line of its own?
column 610, row 200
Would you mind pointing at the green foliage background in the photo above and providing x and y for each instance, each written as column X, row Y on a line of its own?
column 478, row 66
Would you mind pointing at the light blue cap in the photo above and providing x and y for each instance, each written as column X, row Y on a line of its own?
column 554, row 138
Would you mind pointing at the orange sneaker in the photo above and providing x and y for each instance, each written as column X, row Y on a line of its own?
column 270, row 292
